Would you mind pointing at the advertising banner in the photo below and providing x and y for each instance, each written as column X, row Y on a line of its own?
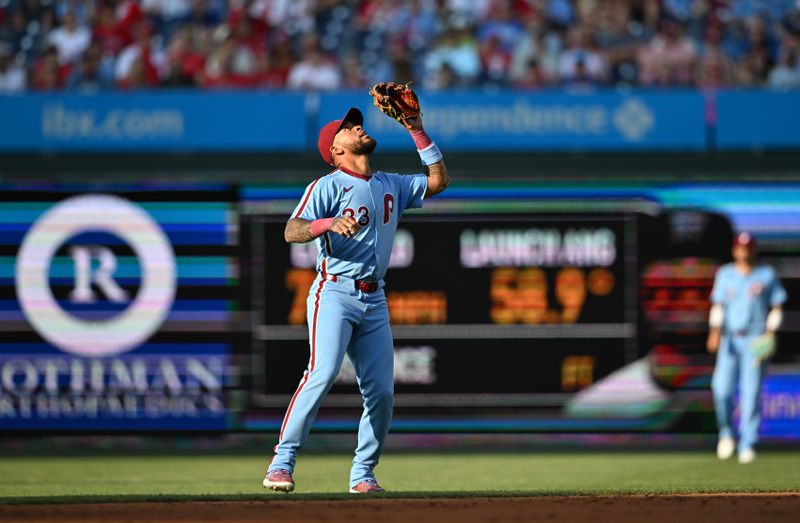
column 748, row 120
column 477, row 121
column 180, row 121
column 116, row 307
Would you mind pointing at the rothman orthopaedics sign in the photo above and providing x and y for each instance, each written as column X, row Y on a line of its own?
column 120, row 309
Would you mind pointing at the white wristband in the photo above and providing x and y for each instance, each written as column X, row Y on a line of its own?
column 430, row 155
column 774, row 320
column 717, row 316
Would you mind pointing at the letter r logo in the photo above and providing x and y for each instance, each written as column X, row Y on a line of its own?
column 110, row 215
column 103, row 277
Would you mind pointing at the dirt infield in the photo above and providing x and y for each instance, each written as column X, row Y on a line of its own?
column 775, row 508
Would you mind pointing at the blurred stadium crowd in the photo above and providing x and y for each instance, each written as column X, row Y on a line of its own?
column 93, row 45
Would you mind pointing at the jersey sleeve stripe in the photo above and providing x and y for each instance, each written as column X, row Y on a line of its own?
column 306, row 198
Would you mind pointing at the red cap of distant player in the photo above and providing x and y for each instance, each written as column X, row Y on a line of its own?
column 744, row 239
column 330, row 129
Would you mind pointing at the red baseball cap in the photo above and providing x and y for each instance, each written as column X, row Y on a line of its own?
column 330, row 129
column 744, row 239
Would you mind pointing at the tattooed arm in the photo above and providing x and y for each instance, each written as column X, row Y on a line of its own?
column 438, row 178
column 298, row 230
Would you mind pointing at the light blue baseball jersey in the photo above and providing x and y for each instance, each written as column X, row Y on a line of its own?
column 376, row 203
column 747, row 298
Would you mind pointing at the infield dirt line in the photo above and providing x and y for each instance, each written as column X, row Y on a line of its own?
column 712, row 508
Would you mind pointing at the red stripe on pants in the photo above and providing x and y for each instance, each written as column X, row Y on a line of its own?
column 312, row 359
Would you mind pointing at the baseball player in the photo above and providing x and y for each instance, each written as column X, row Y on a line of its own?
column 352, row 214
column 745, row 313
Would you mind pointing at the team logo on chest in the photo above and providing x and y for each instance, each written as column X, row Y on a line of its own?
column 756, row 288
column 388, row 207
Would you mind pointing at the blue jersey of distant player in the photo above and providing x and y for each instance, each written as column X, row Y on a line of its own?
column 747, row 298
column 376, row 203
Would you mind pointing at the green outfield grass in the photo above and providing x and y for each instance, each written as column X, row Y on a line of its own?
column 87, row 478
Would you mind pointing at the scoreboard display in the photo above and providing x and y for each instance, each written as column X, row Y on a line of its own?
column 488, row 311
column 140, row 307
column 492, row 271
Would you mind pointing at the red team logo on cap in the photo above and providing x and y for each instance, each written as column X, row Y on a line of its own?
column 745, row 239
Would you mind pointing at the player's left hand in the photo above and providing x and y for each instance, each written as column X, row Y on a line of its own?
column 398, row 101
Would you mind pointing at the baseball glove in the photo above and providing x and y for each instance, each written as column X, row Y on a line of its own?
column 397, row 101
column 763, row 347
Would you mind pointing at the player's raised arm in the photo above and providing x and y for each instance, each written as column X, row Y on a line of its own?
column 401, row 103
column 435, row 169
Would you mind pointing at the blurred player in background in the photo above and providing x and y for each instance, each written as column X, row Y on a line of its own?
column 352, row 213
column 746, row 311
